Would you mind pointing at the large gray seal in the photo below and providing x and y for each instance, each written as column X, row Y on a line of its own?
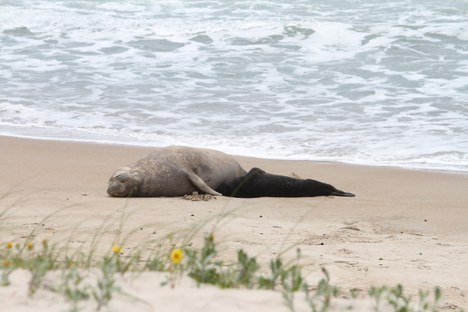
column 175, row 171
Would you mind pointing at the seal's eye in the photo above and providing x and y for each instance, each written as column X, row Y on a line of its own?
column 123, row 177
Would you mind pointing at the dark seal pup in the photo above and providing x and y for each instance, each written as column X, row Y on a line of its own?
column 175, row 171
column 258, row 183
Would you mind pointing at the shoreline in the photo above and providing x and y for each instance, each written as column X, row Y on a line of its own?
column 404, row 226
column 143, row 146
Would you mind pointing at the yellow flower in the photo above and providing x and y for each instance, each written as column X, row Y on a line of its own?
column 116, row 249
column 30, row 246
column 177, row 255
column 6, row 263
column 9, row 245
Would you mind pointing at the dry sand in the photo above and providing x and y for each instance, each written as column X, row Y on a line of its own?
column 404, row 226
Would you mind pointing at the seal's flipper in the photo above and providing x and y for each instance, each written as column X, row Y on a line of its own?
column 235, row 188
column 295, row 175
column 341, row 193
column 201, row 185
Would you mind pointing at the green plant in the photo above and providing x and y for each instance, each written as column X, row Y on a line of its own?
column 24, row 256
column 201, row 265
column 103, row 292
column 155, row 264
column 7, row 269
column 73, row 287
column 270, row 282
column 6, row 264
column 291, row 282
column 39, row 264
column 320, row 300
column 396, row 298
column 247, row 268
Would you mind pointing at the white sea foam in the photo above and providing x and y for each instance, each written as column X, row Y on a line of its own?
column 360, row 82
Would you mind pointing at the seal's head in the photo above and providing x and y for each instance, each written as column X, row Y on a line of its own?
column 123, row 183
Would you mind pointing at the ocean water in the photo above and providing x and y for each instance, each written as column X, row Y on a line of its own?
column 368, row 82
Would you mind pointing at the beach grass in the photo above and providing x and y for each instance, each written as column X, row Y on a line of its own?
column 90, row 275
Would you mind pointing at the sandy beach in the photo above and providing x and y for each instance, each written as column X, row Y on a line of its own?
column 403, row 226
